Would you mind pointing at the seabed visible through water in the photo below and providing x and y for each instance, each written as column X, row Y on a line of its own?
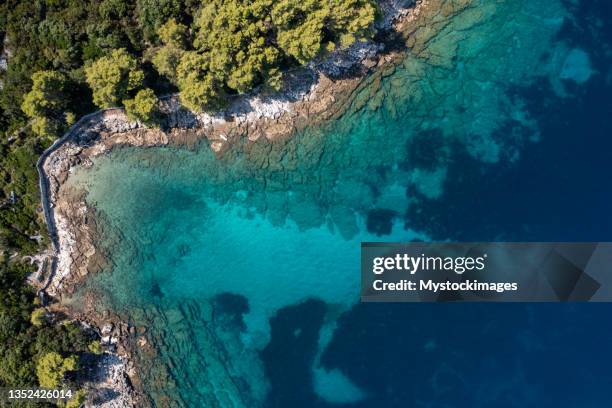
column 246, row 270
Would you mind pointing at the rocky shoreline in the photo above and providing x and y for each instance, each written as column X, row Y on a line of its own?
column 314, row 94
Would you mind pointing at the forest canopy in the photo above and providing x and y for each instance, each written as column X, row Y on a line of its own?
column 240, row 44
column 106, row 51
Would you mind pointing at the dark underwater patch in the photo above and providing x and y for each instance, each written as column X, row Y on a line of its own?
column 380, row 221
column 289, row 356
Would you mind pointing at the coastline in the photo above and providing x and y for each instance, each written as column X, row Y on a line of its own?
column 315, row 94
column 312, row 96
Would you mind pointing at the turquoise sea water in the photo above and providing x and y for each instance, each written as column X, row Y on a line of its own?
column 245, row 269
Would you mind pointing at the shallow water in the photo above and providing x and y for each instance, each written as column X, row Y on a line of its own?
column 245, row 269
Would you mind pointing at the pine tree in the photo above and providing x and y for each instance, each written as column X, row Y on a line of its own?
column 111, row 78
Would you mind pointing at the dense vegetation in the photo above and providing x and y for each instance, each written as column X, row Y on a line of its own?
column 33, row 349
column 68, row 57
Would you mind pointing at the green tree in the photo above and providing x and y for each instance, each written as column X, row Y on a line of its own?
column 95, row 347
column 166, row 59
column 234, row 35
column 173, row 33
column 308, row 27
column 46, row 127
column 51, row 369
column 143, row 107
column 77, row 399
column 45, row 103
column 70, row 118
column 352, row 20
column 274, row 79
column 111, row 78
column 300, row 27
column 38, row 316
column 199, row 87
column 153, row 13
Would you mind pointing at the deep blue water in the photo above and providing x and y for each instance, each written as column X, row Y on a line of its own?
column 488, row 355
column 497, row 134
column 539, row 355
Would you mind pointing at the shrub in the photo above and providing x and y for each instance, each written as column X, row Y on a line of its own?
column 199, row 87
column 95, row 347
column 166, row 59
column 77, row 399
column 51, row 369
column 143, row 107
column 112, row 77
column 38, row 316
column 45, row 103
